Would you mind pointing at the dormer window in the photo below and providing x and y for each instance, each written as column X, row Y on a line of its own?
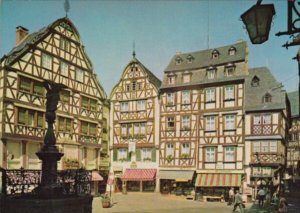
column 215, row 54
column 189, row 59
column 255, row 81
column 232, row 51
column 186, row 77
column 229, row 70
column 178, row 60
column 211, row 72
column 267, row 98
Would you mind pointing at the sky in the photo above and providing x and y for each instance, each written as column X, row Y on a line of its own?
column 159, row 29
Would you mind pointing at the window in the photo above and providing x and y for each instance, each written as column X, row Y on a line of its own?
column 146, row 154
column 215, row 54
column 79, row 74
column 178, row 60
column 189, row 59
column 64, row 96
column 30, row 118
column 170, row 123
column 122, row 154
column 170, row 99
column 256, row 119
column 186, row 78
column 266, row 119
column 210, row 154
column 170, row 150
column 210, row 95
column 64, row 124
column 133, row 85
column 264, row 147
column 229, row 122
column 141, row 105
column 231, row 51
column 171, row 80
column 210, row 123
column 127, row 87
column 185, row 149
column 64, row 68
column 229, row 70
column 140, row 86
column 46, row 61
column 31, row 86
column 124, row 129
column 88, row 103
column 88, row 128
column 186, row 96
column 64, row 44
column 255, row 81
column 185, row 122
column 267, row 98
column 124, row 106
column 229, row 154
column 143, row 129
column 229, row 93
column 211, row 74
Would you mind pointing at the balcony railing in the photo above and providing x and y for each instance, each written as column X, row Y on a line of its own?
column 267, row 158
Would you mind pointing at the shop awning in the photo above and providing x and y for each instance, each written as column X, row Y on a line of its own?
column 179, row 176
column 222, row 180
column 139, row 175
column 96, row 176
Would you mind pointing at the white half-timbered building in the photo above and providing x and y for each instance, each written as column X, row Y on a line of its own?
column 54, row 53
column 134, row 133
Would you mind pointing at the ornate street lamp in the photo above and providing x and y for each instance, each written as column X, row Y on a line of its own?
column 258, row 21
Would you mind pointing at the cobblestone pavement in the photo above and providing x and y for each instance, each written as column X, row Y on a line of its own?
column 155, row 202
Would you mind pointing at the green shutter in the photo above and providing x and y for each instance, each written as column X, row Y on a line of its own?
column 22, row 116
column 128, row 155
column 138, row 154
column 40, row 120
column 115, row 154
column 25, row 85
column 153, row 154
column 38, row 88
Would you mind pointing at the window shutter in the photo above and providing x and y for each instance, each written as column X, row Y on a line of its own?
column 128, row 155
column 153, row 154
column 115, row 154
column 138, row 154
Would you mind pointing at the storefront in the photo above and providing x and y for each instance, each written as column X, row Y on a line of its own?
column 176, row 182
column 216, row 186
column 96, row 178
column 139, row 180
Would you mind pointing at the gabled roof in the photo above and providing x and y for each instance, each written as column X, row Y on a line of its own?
column 34, row 38
column 267, row 85
column 204, row 58
column 294, row 101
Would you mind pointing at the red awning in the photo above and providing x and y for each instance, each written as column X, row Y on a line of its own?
column 96, row 176
column 139, row 175
column 222, row 180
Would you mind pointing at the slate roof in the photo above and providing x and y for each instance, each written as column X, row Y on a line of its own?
column 203, row 60
column 294, row 101
column 267, row 84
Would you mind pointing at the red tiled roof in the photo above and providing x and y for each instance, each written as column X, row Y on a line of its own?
column 139, row 175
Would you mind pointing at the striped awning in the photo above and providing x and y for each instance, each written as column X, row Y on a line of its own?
column 222, row 180
column 139, row 175
column 178, row 176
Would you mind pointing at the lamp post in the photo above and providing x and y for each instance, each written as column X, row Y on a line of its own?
column 258, row 21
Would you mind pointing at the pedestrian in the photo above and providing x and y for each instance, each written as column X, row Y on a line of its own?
column 283, row 206
column 261, row 197
column 238, row 202
column 231, row 196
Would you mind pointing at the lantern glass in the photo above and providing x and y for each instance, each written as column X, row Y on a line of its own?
column 258, row 21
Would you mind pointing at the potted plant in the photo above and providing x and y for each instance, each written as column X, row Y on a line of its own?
column 169, row 158
column 105, row 201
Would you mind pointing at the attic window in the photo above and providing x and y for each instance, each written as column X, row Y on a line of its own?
column 255, row 81
column 189, row 59
column 215, row 54
column 232, row 51
column 178, row 60
column 267, row 98
column 211, row 72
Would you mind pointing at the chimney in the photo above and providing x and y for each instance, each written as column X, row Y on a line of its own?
column 21, row 33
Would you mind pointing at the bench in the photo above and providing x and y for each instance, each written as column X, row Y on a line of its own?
column 219, row 198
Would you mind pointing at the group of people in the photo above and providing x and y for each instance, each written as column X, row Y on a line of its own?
column 263, row 195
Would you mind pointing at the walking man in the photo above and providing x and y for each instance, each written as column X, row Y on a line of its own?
column 238, row 202
column 231, row 196
column 261, row 197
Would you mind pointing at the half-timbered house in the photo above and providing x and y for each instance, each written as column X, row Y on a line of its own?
column 266, row 127
column 202, row 128
column 55, row 53
column 134, row 121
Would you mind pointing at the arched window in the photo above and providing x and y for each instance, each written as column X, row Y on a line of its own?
column 255, row 81
column 189, row 59
column 232, row 50
column 215, row 54
column 178, row 60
